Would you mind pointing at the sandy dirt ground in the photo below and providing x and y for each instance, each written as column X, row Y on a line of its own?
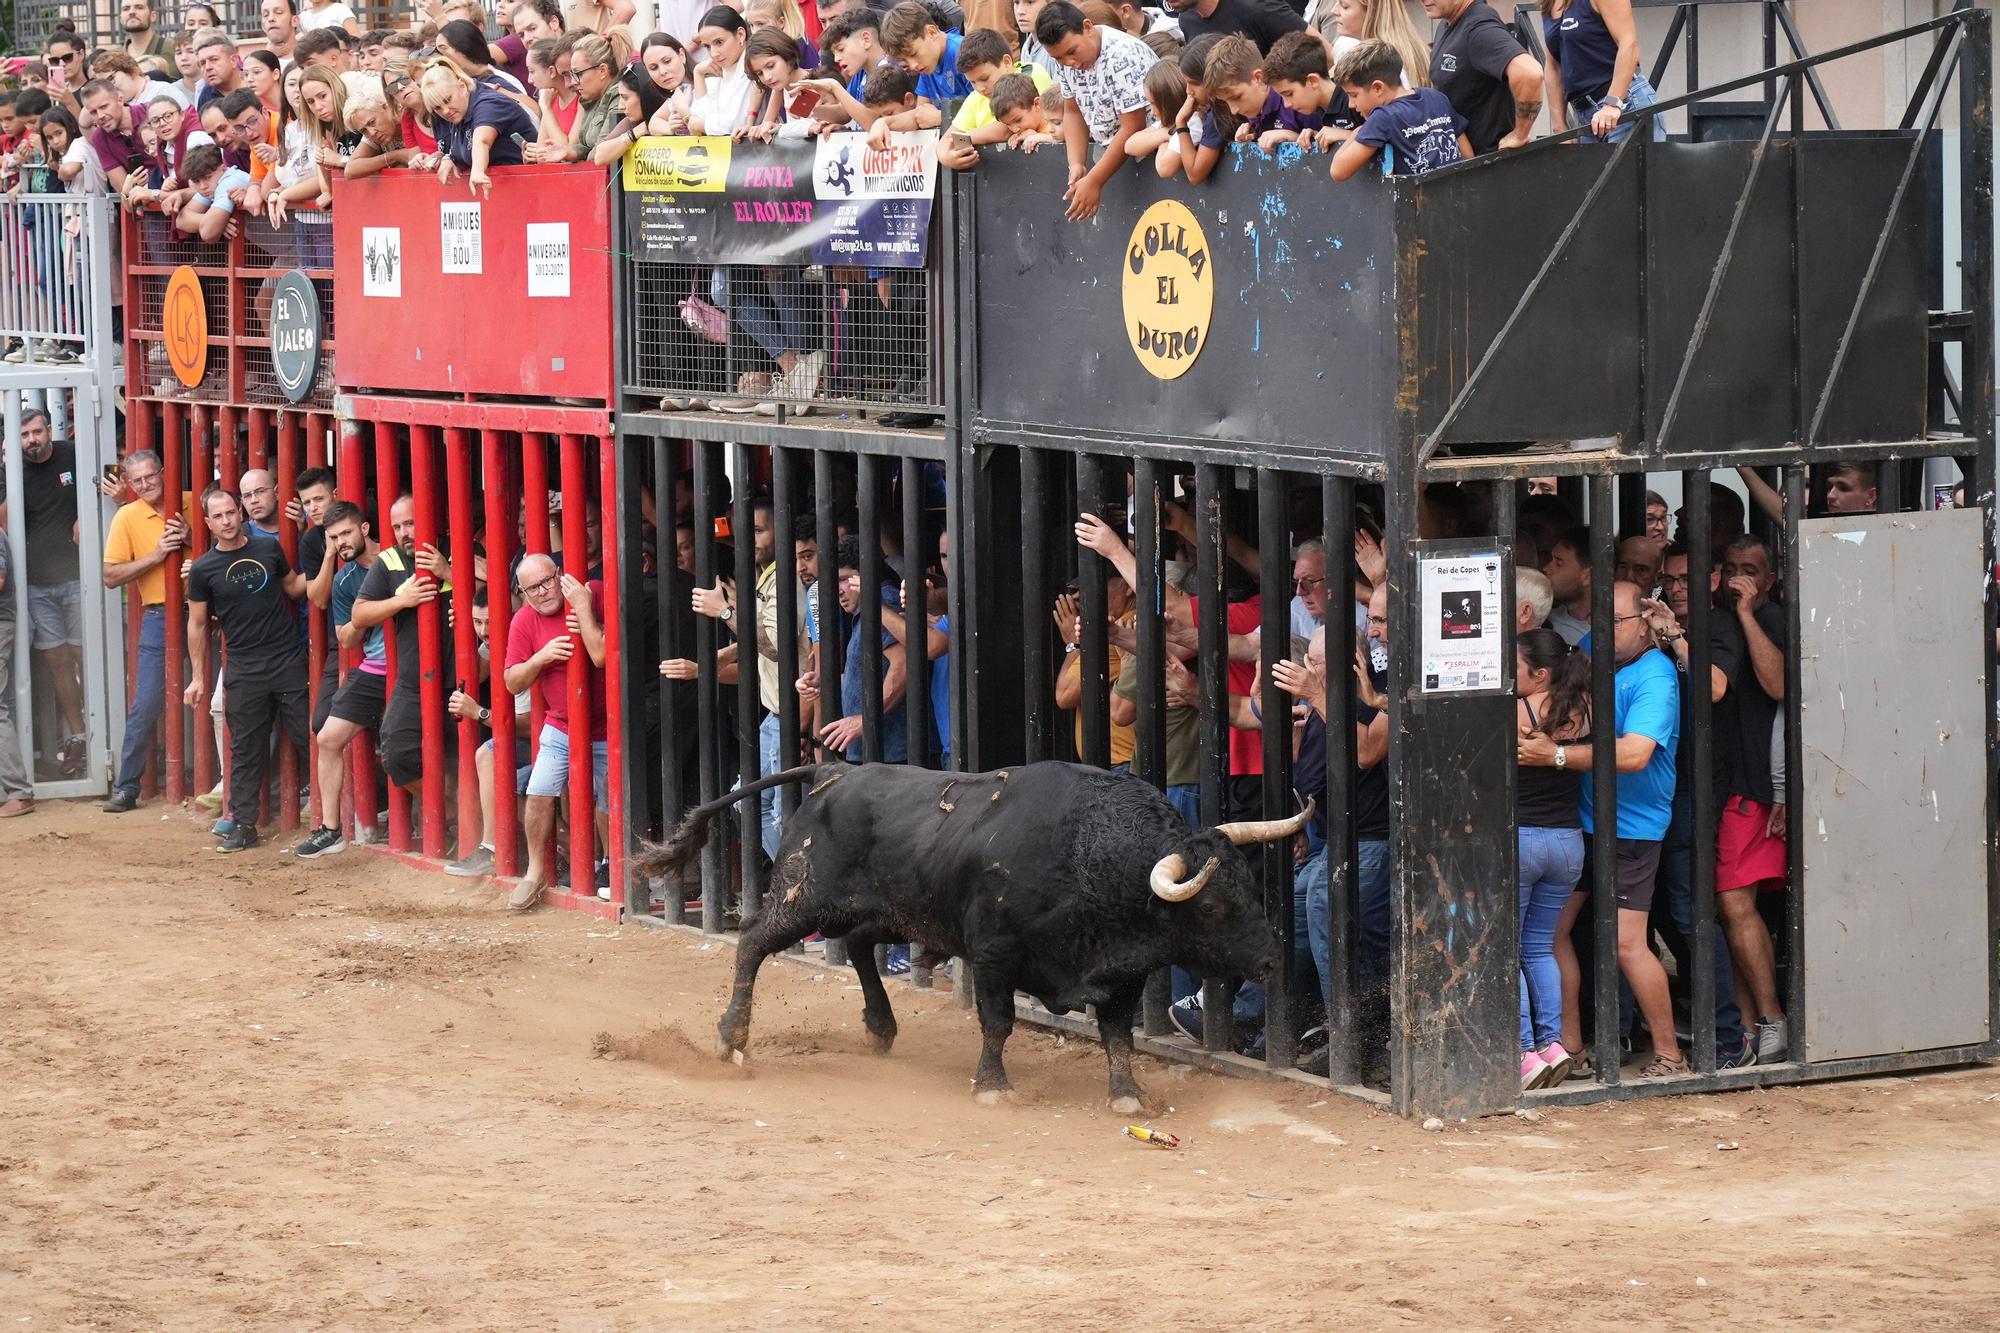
column 250, row 1093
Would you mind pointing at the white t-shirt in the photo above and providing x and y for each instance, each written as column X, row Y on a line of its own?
column 725, row 106
column 92, row 180
column 334, row 15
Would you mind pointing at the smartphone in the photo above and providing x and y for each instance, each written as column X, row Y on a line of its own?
column 113, row 475
column 722, row 528
column 802, row 102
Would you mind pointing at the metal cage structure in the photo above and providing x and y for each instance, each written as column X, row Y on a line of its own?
column 1248, row 361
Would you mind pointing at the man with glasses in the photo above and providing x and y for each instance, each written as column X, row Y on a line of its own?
column 1308, row 594
column 143, row 536
column 260, row 502
column 1643, row 731
column 559, row 617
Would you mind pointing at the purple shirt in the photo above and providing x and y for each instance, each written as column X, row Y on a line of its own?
column 114, row 150
column 1277, row 116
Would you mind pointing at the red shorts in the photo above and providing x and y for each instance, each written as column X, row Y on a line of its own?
column 1745, row 854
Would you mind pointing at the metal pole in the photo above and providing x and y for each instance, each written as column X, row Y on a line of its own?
column 23, row 702
column 669, row 607
column 1094, row 649
column 360, row 766
column 535, row 541
column 1698, row 753
column 714, row 877
column 499, row 618
column 582, row 772
column 868, row 488
column 1281, row 1005
column 1149, row 728
column 172, row 471
column 1604, row 780
column 1036, row 669
column 1795, row 785
column 430, row 642
column 458, row 464
column 1212, row 652
column 614, row 523
column 1338, row 985
column 749, row 697
column 916, row 623
column 784, row 519
column 201, row 464
column 389, row 485
column 288, row 538
column 832, row 628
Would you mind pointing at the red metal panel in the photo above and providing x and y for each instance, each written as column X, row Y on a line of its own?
column 546, row 418
column 576, row 564
column 614, row 663
column 228, row 462
column 500, row 601
column 172, row 476
column 535, row 346
column 359, row 774
column 534, row 541
column 430, row 639
column 458, row 462
column 388, row 485
column 260, row 444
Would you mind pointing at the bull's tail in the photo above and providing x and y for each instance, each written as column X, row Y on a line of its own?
column 670, row 859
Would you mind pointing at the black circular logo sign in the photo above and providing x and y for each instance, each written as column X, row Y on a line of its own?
column 295, row 335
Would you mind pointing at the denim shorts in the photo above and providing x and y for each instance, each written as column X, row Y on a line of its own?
column 57, row 612
column 550, row 776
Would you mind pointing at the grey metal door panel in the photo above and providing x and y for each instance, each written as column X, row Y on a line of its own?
column 1897, row 950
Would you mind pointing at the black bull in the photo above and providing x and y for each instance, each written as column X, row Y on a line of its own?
column 1072, row 884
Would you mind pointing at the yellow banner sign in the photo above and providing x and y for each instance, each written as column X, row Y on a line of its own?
column 676, row 165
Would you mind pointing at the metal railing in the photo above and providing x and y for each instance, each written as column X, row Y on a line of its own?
column 55, row 273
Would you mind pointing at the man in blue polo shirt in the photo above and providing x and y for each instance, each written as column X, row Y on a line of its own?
column 1646, row 726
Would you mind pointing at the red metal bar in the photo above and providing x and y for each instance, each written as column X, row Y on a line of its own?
column 388, row 485
column 582, row 772
column 359, row 771
column 612, row 523
column 289, row 468
column 175, row 715
column 228, row 461
column 535, row 541
column 430, row 641
column 288, row 537
column 458, row 461
column 260, row 444
column 500, row 616
column 202, row 465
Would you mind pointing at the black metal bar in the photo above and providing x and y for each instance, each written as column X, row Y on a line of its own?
column 1874, row 269
column 916, row 620
column 1694, row 53
column 1770, row 57
column 1212, row 652
column 868, row 493
column 1149, row 729
column 1675, row 27
column 1795, row 775
column 1792, row 39
column 961, row 392
column 714, row 875
column 1888, row 486
column 1724, row 258
column 749, row 703
column 1975, row 86
column 784, row 521
column 1698, row 753
column 1922, row 91
column 1337, row 986
column 1036, row 670
column 1604, row 785
column 1093, row 651
column 1281, row 1005
column 1631, row 504
column 673, row 801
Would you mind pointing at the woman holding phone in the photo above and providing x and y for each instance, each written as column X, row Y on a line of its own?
column 477, row 128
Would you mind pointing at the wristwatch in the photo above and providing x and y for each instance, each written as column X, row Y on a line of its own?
column 485, row 716
column 1562, row 756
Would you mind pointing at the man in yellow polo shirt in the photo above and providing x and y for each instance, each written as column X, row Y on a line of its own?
column 141, row 540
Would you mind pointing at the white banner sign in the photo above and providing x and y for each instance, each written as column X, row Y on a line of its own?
column 381, row 261
column 548, row 259
column 459, row 232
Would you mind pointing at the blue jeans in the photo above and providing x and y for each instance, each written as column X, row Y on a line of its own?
column 1639, row 94
column 1676, row 884
column 1186, row 798
column 768, row 805
column 1372, row 865
column 1249, row 1006
column 783, row 324
column 149, row 699
column 1551, row 864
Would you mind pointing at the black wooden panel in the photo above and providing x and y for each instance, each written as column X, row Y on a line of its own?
column 1296, row 355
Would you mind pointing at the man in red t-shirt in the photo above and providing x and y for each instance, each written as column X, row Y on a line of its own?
column 558, row 613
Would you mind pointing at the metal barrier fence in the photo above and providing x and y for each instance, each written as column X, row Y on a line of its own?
column 55, row 257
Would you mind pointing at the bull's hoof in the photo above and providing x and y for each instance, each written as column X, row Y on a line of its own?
column 882, row 1042
column 994, row 1096
column 724, row 1048
column 1128, row 1105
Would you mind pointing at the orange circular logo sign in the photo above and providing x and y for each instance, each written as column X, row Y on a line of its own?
column 184, row 324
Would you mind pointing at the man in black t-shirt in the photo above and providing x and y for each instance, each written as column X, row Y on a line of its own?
column 1482, row 70
column 55, row 595
column 402, row 579
column 1262, row 21
column 247, row 587
column 1750, row 832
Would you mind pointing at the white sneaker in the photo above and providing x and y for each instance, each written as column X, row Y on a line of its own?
column 800, row 385
column 1774, row 1041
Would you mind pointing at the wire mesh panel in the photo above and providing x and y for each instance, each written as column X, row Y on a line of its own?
column 742, row 337
column 47, row 281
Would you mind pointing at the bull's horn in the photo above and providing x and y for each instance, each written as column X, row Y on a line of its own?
column 1266, row 830
column 1169, row 885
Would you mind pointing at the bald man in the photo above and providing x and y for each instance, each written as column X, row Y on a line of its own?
column 403, row 578
column 559, row 616
column 260, row 503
